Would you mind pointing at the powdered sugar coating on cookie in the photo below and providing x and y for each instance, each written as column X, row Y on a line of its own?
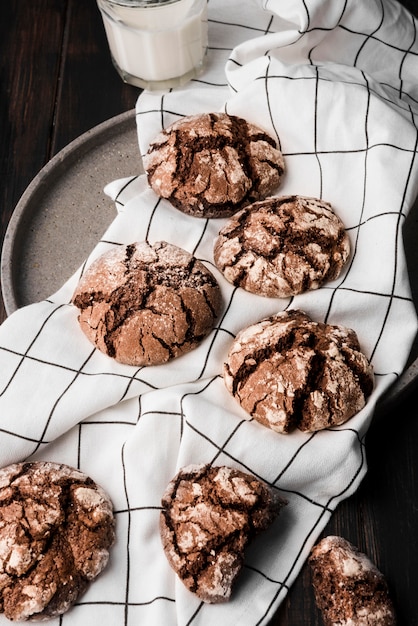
column 211, row 165
column 288, row 372
column 56, row 530
column 280, row 247
column 209, row 517
column 145, row 304
column 349, row 589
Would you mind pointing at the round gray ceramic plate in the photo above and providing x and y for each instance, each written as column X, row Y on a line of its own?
column 64, row 212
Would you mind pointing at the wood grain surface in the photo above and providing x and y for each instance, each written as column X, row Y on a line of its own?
column 57, row 81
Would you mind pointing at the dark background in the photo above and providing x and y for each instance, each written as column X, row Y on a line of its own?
column 57, row 81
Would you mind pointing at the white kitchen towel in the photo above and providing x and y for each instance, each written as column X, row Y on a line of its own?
column 334, row 81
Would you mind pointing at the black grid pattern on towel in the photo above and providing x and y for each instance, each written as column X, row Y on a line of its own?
column 131, row 428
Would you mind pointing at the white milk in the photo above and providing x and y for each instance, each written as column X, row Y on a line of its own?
column 156, row 44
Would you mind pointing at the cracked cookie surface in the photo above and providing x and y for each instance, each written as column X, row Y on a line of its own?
column 145, row 304
column 213, row 164
column 209, row 516
column 349, row 589
column 288, row 372
column 56, row 529
column 280, row 247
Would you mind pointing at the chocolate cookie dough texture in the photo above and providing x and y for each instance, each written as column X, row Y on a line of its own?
column 145, row 304
column 281, row 247
column 348, row 587
column 213, row 164
column 56, row 529
column 209, row 516
column 288, row 372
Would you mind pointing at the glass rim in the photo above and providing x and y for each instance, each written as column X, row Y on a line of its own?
column 141, row 3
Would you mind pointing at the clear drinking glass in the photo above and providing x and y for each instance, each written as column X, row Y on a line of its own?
column 156, row 44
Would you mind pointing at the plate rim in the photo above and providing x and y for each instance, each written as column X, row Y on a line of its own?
column 14, row 231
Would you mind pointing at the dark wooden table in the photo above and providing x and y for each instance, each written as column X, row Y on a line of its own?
column 57, row 81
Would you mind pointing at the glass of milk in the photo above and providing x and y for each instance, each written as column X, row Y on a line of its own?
column 156, row 44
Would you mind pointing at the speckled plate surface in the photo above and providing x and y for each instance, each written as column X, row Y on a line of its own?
column 64, row 211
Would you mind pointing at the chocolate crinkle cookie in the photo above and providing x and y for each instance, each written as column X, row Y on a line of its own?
column 209, row 516
column 280, row 247
column 56, row 529
column 213, row 164
column 145, row 304
column 348, row 587
column 288, row 372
